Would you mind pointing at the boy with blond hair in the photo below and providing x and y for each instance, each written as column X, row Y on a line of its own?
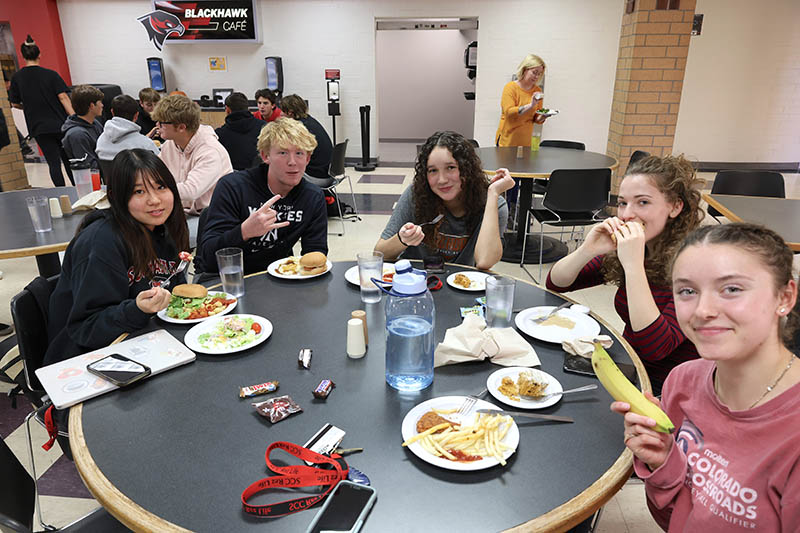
column 265, row 210
column 191, row 151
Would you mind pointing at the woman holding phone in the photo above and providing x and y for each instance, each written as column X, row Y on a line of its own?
column 448, row 181
column 104, row 288
column 732, row 464
column 659, row 204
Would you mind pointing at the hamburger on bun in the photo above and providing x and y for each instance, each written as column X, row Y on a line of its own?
column 313, row 263
column 190, row 290
column 614, row 237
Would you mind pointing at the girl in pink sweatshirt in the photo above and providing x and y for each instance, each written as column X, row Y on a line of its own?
column 734, row 462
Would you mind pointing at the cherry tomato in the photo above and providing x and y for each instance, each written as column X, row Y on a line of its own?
column 256, row 327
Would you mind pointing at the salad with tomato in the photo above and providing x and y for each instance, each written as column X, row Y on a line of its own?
column 193, row 308
column 231, row 332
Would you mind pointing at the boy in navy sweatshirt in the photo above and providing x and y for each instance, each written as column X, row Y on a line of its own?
column 265, row 210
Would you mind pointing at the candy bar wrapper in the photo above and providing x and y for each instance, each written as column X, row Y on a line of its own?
column 304, row 358
column 257, row 390
column 278, row 408
column 474, row 310
column 323, row 389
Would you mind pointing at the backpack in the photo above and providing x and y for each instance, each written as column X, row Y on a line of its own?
column 333, row 209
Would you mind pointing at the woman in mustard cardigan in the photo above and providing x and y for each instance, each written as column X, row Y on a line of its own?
column 519, row 103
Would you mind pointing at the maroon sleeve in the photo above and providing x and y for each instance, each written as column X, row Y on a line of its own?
column 589, row 276
column 658, row 340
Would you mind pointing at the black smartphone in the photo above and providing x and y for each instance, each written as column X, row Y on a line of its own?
column 581, row 365
column 345, row 509
column 118, row 369
column 433, row 264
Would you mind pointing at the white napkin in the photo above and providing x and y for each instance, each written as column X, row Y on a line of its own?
column 584, row 346
column 93, row 200
column 473, row 341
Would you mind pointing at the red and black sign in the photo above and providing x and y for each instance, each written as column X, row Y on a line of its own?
column 206, row 20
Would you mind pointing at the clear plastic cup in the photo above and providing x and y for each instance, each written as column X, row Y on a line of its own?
column 499, row 301
column 39, row 209
column 231, row 269
column 370, row 265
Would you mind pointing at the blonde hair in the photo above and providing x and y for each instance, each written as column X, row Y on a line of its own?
column 284, row 132
column 178, row 109
column 530, row 61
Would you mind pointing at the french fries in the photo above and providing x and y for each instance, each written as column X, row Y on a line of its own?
column 482, row 438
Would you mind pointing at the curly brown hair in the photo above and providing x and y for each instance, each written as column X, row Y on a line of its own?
column 676, row 179
column 474, row 185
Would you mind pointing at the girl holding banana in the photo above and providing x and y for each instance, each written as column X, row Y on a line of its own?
column 659, row 204
column 733, row 464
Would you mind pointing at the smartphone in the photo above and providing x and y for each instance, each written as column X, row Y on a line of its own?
column 433, row 264
column 118, row 369
column 345, row 509
column 581, row 365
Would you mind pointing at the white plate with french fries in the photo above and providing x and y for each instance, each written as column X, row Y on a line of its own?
column 434, row 445
column 289, row 268
column 521, row 380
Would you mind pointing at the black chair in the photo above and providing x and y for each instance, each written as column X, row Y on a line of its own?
column 18, row 494
column 29, row 309
column 105, row 169
column 747, row 183
column 336, row 175
column 574, row 197
column 572, row 145
column 475, row 143
column 636, row 156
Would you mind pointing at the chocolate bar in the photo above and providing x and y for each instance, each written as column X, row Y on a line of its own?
column 256, row 390
column 304, row 358
column 323, row 389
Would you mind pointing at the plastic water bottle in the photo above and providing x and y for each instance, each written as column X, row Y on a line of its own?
column 410, row 327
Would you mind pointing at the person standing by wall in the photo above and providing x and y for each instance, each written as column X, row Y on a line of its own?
column 42, row 95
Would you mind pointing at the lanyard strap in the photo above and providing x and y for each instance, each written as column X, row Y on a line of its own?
column 292, row 476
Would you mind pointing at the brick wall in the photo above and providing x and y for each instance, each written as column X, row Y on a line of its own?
column 12, row 167
column 653, row 47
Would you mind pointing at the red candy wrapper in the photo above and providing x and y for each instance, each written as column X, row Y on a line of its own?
column 278, row 408
column 256, row 390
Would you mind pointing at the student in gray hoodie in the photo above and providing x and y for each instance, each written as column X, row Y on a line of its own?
column 122, row 132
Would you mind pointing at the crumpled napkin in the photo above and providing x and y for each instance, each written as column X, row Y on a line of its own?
column 473, row 341
column 584, row 346
column 93, row 200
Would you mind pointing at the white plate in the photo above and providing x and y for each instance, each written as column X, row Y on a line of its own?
column 409, row 429
column 273, row 269
column 585, row 326
column 495, row 380
column 351, row 274
column 478, row 280
column 190, row 339
column 163, row 313
column 551, row 113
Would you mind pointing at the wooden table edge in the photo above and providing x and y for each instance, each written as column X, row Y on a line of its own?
column 730, row 215
column 561, row 518
column 34, row 250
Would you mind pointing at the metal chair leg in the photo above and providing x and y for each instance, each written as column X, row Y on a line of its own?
column 353, row 196
column 596, row 520
column 341, row 215
column 524, row 242
column 541, row 249
column 47, row 527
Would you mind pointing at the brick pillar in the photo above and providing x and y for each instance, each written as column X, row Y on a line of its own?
column 651, row 62
column 12, row 167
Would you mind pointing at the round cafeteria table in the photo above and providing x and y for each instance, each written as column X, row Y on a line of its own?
column 17, row 238
column 177, row 450
column 537, row 165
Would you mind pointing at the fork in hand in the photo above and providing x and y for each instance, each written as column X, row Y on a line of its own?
column 434, row 221
column 165, row 283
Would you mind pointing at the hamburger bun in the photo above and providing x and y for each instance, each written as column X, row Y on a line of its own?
column 313, row 263
column 190, row 290
column 614, row 237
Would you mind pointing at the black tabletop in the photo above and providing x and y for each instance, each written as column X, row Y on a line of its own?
column 17, row 238
column 781, row 215
column 542, row 163
column 183, row 445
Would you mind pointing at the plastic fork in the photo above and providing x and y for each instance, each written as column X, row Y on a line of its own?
column 469, row 402
column 568, row 391
column 165, row 283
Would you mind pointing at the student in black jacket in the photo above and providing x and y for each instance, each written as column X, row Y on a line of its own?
column 105, row 285
column 265, row 210
column 239, row 135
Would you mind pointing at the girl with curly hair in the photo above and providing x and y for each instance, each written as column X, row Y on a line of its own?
column 659, row 205
column 448, row 180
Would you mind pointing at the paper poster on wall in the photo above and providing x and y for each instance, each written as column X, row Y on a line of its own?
column 217, row 63
column 201, row 20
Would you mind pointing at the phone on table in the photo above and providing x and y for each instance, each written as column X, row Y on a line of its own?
column 118, row 369
column 345, row 509
column 581, row 365
column 433, row 264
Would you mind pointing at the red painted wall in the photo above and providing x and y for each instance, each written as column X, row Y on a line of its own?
column 39, row 18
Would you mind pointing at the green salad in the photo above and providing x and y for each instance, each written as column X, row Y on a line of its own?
column 231, row 332
column 544, row 111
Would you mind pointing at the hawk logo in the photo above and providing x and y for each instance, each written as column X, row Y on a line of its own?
column 159, row 24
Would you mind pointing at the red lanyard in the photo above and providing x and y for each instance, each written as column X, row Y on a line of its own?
column 295, row 476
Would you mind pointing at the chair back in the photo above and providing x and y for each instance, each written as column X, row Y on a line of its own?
column 105, row 169
column 475, row 143
column 636, row 156
column 572, row 145
column 747, row 183
column 578, row 190
column 337, row 159
column 29, row 310
column 16, row 492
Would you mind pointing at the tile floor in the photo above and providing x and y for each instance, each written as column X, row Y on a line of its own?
column 626, row 512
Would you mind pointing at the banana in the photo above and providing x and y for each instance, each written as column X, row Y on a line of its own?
column 622, row 390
